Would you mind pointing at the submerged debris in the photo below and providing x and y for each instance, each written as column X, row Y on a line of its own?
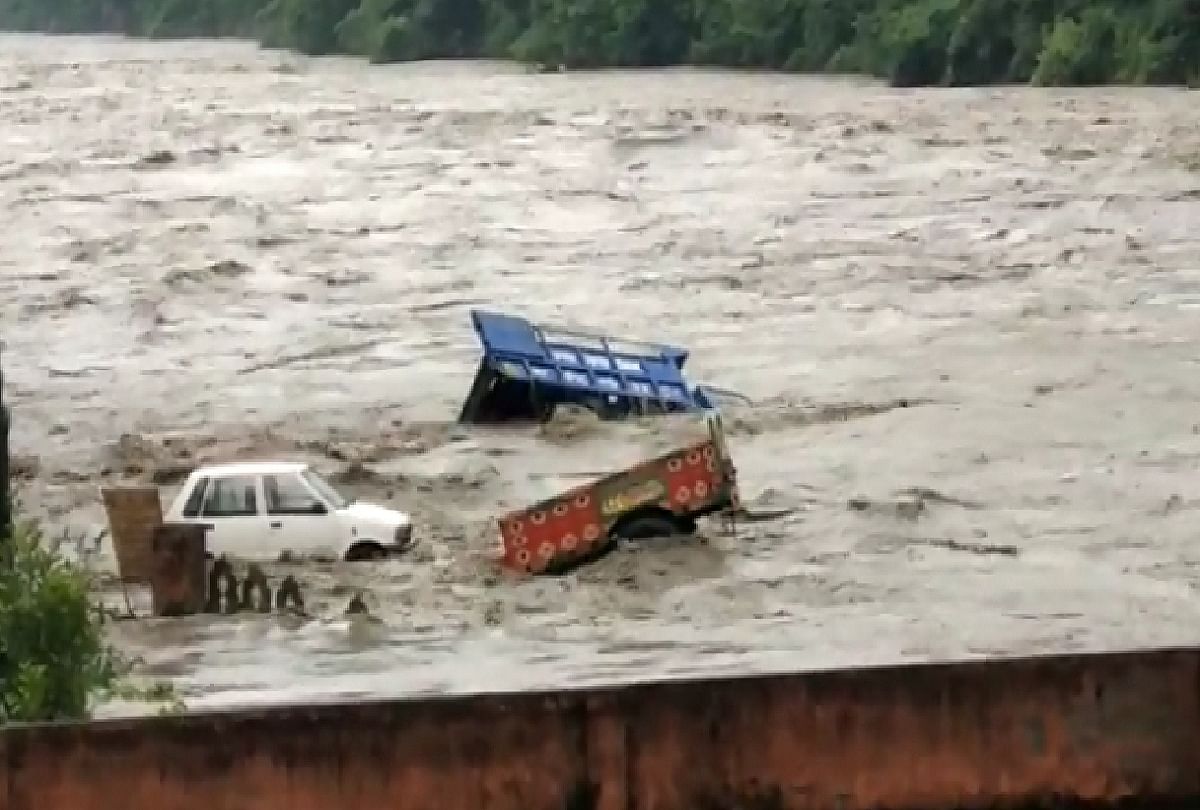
column 159, row 157
column 357, row 606
column 224, row 269
column 909, row 503
column 977, row 548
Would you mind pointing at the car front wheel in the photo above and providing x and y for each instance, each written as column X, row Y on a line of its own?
column 363, row 552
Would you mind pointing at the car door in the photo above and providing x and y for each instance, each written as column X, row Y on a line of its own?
column 232, row 511
column 298, row 519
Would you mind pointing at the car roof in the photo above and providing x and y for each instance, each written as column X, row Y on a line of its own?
column 251, row 468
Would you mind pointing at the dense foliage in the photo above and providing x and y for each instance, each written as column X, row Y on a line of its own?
column 53, row 659
column 911, row 42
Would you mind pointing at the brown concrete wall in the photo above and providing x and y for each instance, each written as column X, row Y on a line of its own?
column 919, row 738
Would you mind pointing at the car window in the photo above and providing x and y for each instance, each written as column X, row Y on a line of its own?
column 325, row 490
column 231, row 497
column 287, row 495
column 191, row 507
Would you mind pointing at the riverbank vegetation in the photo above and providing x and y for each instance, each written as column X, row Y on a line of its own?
column 53, row 660
column 908, row 42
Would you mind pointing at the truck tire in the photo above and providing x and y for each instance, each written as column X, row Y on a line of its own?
column 646, row 525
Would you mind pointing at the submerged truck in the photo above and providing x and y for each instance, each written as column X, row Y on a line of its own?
column 529, row 369
column 660, row 497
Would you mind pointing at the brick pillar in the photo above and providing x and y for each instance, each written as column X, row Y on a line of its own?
column 177, row 578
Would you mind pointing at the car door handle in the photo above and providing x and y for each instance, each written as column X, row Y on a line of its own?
column 276, row 524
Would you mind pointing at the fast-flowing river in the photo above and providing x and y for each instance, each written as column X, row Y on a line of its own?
column 967, row 320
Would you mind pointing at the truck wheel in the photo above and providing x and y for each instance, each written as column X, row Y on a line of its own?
column 644, row 527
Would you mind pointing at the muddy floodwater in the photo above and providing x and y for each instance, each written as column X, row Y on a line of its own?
column 966, row 320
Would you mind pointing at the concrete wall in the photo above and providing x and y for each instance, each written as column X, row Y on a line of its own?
column 927, row 737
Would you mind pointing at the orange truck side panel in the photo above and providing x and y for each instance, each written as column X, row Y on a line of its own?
column 576, row 523
column 1052, row 732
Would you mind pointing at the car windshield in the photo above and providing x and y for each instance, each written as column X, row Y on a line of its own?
column 325, row 490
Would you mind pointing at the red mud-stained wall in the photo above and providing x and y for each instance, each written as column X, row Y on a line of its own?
column 1097, row 727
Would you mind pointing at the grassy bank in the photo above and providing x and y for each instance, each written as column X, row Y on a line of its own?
column 910, row 42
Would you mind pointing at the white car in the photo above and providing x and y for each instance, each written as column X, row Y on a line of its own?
column 259, row 510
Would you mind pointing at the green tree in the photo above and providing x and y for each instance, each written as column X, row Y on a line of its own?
column 984, row 43
column 504, row 23
column 829, row 29
column 1175, row 28
column 1079, row 51
column 308, row 26
column 403, row 30
column 909, row 42
column 595, row 33
column 750, row 33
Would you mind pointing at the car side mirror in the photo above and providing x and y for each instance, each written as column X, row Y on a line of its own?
column 318, row 508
